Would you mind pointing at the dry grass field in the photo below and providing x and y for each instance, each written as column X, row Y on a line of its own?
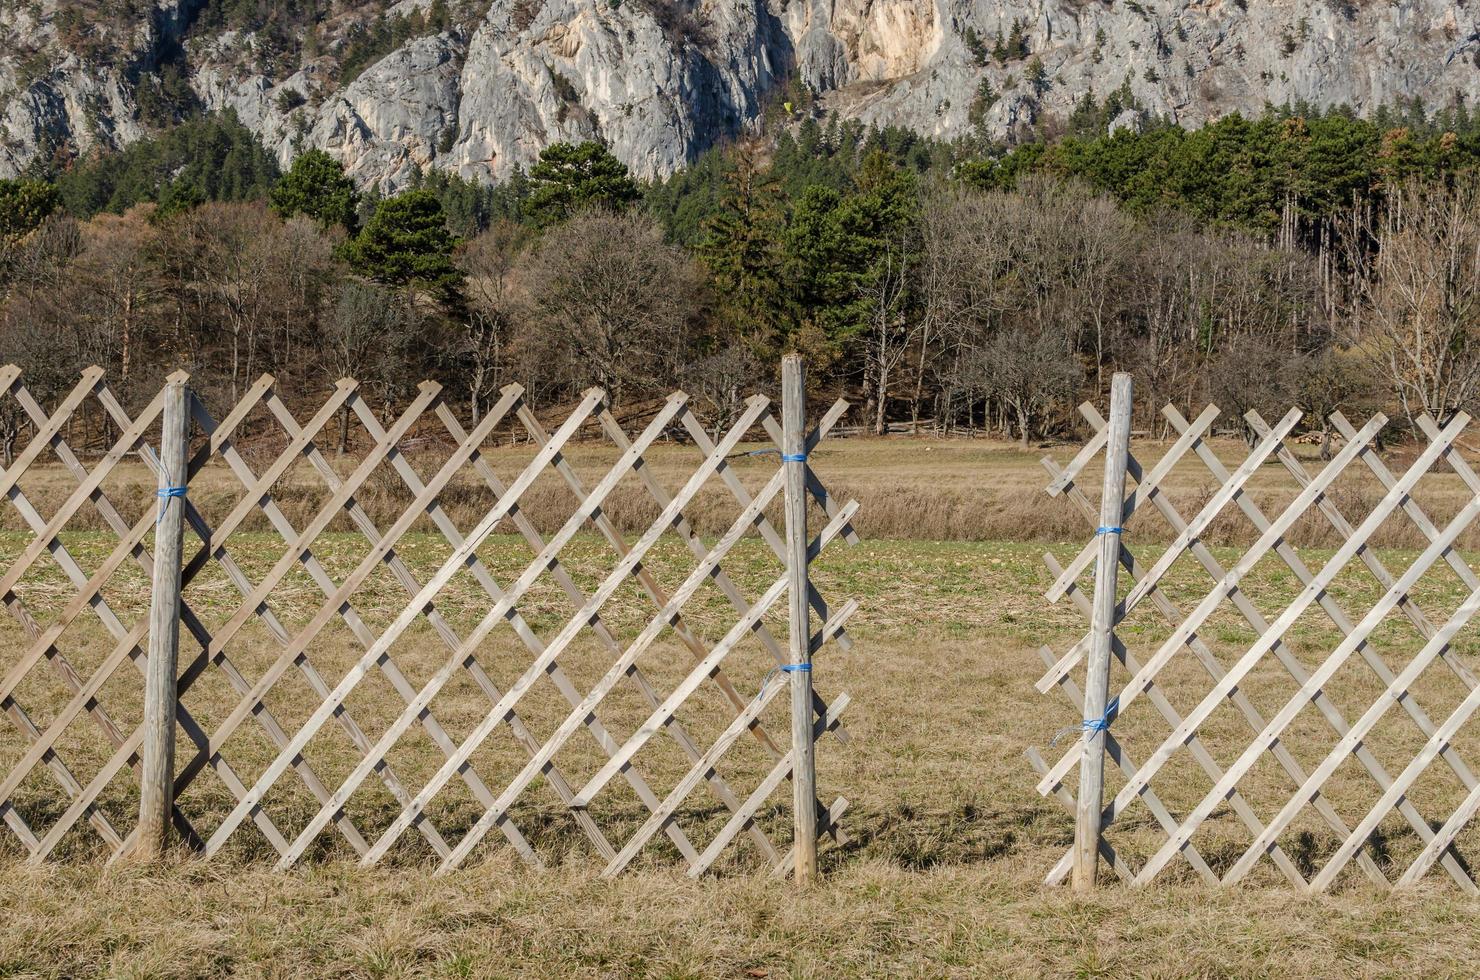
column 942, row 876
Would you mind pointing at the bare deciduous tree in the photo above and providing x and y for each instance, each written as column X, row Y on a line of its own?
column 607, row 299
column 1028, row 372
column 488, row 262
column 1416, row 285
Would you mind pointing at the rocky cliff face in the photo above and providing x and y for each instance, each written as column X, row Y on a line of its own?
column 660, row 80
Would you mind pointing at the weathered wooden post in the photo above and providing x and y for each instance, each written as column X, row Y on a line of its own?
column 157, row 773
column 804, row 763
column 1102, row 625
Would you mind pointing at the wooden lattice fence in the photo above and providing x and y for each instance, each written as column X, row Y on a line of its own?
column 1350, row 669
column 415, row 679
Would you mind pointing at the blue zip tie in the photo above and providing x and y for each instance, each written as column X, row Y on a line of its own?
column 785, row 457
column 165, row 494
column 782, row 669
column 1092, row 725
column 1109, row 530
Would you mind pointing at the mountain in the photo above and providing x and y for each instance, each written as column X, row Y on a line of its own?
column 480, row 87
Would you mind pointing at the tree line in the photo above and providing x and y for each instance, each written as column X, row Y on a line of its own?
column 1299, row 258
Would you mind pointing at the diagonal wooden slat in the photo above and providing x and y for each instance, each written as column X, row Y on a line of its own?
column 742, row 723
column 1339, row 618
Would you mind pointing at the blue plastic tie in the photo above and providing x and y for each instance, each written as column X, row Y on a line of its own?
column 781, row 669
column 1092, row 725
column 785, row 457
column 165, row 495
column 1109, row 530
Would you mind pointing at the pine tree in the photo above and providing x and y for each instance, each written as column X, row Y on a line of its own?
column 569, row 178
column 406, row 243
column 317, row 186
column 741, row 251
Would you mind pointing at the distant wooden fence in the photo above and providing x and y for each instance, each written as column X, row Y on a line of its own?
column 1346, row 764
column 295, row 747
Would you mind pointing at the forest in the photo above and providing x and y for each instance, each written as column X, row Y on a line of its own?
column 1302, row 257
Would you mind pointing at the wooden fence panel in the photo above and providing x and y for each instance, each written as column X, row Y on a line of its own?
column 397, row 643
column 1293, row 642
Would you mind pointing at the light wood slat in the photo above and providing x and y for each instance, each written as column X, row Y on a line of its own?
column 131, row 546
column 403, row 687
column 1127, row 765
column 1307, row 691
column 193, row 624
column 1081, row 459
column 330, row 608
column 43, row 646
column 829, row 504
column 1195, row 527
column 127, row 751
column 828, row 825
column 439, row 580
column 644, row 579
column 826, row 819
column 254, row 604
column 697, row 647
column 1343, row 624
column 22, row 720
column 320, row 521
column 1146, row 485
column 46, row 432
column 45, row 538
column 681, row 596
column 705, row 445
column 568, row 585
column 1441, row 842
column 1426, row 527
column 825, row 500
column 88, row 596
column 54, row 763
column 774, row 541
column 615, row 579
column 250, row 703
column 1229, row 583
column 502, row 610
column 377, row 654
column 1368, row 556
column 1399, row 688
column 260, row 489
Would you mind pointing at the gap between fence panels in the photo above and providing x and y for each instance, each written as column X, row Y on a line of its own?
column 448, row 670
column 1308, row 703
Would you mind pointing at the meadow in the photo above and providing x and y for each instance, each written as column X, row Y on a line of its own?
column 949, row 841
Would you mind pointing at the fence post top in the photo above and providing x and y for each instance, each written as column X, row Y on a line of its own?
column 175, row 377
